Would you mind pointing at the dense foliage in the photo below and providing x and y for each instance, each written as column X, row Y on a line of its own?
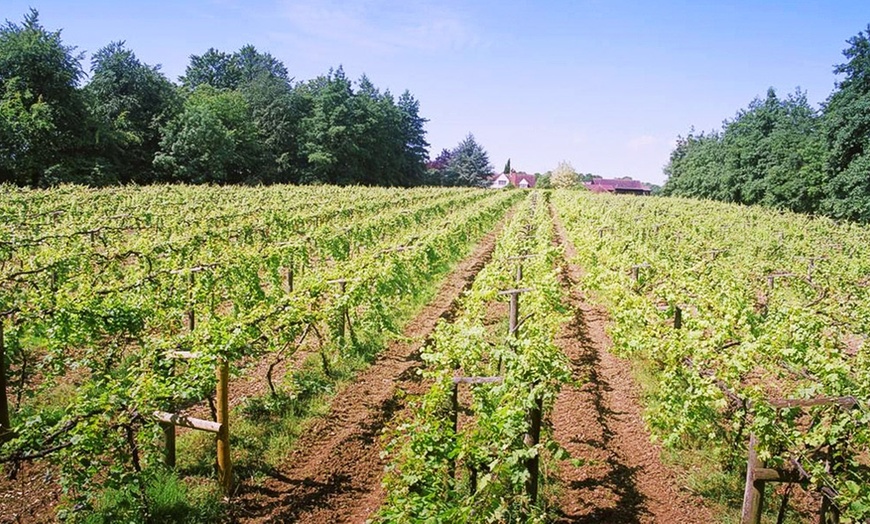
column 786, row 154
column 475, row 468
column 94, row 302
column 467, row 164
column 774, row 309
column 236, row 118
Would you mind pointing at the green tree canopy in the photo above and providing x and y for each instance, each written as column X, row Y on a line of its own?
column 768, row 154
column 237, row 118
column 847, row 134
column 361, row 136
column 469, row 163
column 129, row 102
column 212, row 140
column 41, row 112
column 232, row 70
column 215, row 68
column 413, row 135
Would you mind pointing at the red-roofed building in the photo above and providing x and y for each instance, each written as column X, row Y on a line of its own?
column 618, row 186
column 515, row 179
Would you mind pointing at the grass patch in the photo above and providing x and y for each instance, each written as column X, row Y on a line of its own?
column 723, row 488
column 164, row 497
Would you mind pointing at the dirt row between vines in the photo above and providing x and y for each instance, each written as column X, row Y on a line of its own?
column 333, row 473
column 623, row 480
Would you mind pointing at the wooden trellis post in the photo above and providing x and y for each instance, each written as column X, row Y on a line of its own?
column 811, row 266
column 191, row 315
column 4, row 402
column 532, row 438
column 514, row 308
column 678, row 317
column 779, row 274
column 191, row 281
column 757, row 475
column 753, row 493
column 168, row 421
column 454, row 415
column 635, row 271
column 168, row 443
column 224, row 461
column 345, row 324
column 514, row 314
column 343, row 285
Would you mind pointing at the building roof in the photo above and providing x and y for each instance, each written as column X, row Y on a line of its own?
column 610, row 185
column 515, row 179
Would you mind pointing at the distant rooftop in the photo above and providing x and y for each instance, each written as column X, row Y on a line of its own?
column 616, row 185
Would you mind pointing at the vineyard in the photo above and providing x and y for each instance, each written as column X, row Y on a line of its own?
column 754, row 324
column 134, row 317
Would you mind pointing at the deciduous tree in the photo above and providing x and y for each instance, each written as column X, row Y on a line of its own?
column 42, row 114
column 564, row 176
column 211, row 141
column 847, row 134
column 129, row 102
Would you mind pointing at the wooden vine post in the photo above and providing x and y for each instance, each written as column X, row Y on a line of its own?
column 343, row 286
column 514, row 308
column 533, row 417
column 4, row 403
column 514, row 314
column 168, row 421
column 532, row 438
column 224, row 461
column 678, row 318
column 773, row 276
column 753, row 493
column 454, row 417
column 757, row 475
column 345, row 324
column 168, row 443
column 635, row 271
column 168, row 427
column 191, row 316
column 291, row 268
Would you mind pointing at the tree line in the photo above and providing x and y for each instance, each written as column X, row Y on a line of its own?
column 782, row 152
column 234, row 118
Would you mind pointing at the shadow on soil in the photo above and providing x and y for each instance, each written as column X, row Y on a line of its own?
column 287, row 499
column 626, row 504
column 296, row 497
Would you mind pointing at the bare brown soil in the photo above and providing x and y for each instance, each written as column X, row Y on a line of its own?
column 333, row 474
column 31, row 497
column 623, row 480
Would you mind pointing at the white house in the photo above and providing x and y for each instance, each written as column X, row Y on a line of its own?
column 521, row 180
column 500, row 181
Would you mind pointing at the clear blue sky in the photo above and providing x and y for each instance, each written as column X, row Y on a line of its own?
column 606, row 85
